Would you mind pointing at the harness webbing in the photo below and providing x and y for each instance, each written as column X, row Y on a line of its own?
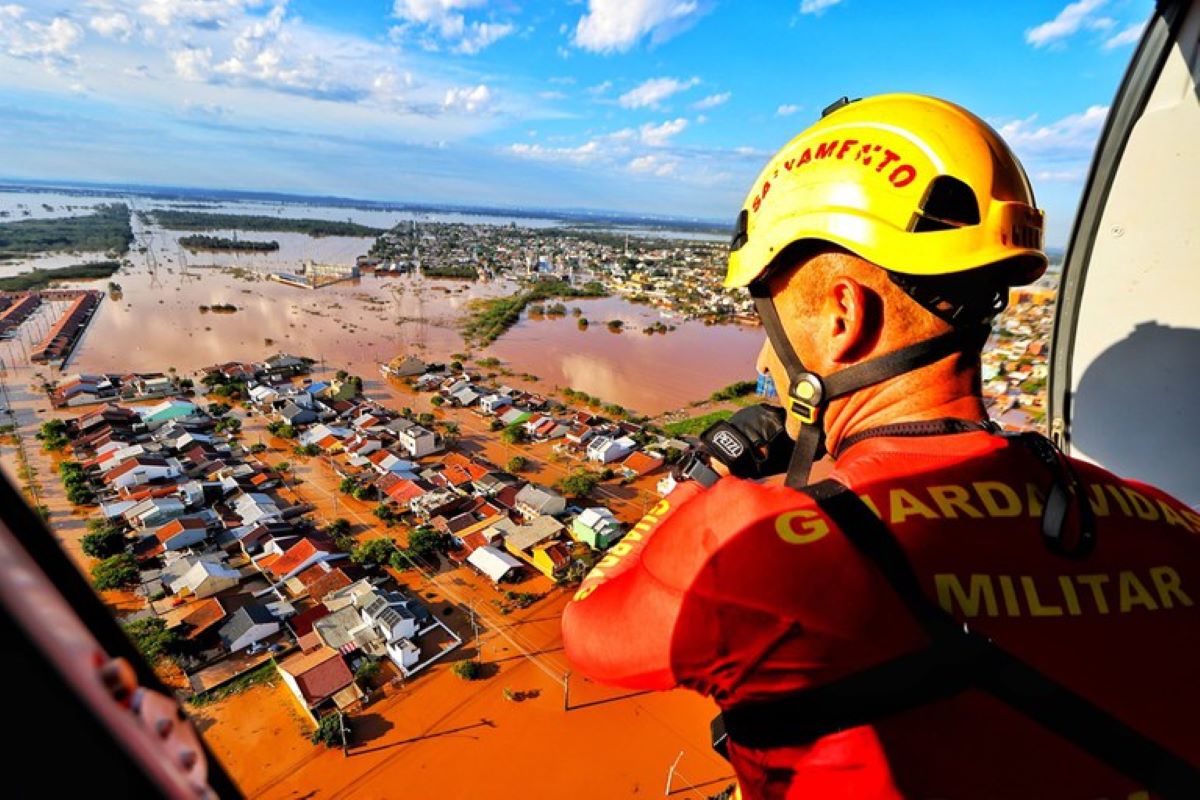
column 957, row 659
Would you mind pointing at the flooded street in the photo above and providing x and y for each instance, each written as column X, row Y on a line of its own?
column 161, row 316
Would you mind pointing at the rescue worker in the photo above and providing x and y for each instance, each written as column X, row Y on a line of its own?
column 952, row 613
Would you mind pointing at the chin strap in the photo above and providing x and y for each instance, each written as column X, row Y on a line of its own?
column 810, row 393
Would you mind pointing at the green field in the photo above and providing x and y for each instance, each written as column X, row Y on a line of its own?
column 693, row 426
column 106, row 230
column 201, row 221
column 489, row 319
column 41, row 278
column 217, row 244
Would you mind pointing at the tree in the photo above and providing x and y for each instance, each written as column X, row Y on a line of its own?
column 517, row 464
column 374, row 552
column 331, row 731
column 425, row 418
column 115, row 572
column 366, row 492
column 53, row 435
column 339, row 527
column 367, row 671
column 218, row 409
column 348, row 485
column 385, row 513
column 579, row 483
column 152, row 638
column 513, row 434
column 467, row 669
column 437, row 400
column 426, row 543
column 103, row 540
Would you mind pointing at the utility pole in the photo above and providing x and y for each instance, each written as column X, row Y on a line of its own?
column 671, row 774
column 342, row 725
column 475, row 629
column 566, row 680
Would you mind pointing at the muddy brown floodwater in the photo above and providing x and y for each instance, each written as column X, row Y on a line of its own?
column 156, row 322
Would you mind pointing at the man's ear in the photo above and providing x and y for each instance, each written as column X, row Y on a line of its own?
column 853, row 314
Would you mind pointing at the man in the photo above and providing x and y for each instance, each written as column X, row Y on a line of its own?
column 953, row 613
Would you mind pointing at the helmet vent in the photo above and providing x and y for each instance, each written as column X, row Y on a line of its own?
column 949, row 203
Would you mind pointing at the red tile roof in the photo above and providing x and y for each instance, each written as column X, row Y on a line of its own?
column 178, row 526
column 404, row 491
column 336, row 579
column 319, row 674
column 297, row 554
column 208, row 612
column 642, row 463
column 302, row 623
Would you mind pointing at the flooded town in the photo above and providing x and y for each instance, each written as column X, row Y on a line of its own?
column 337, row 471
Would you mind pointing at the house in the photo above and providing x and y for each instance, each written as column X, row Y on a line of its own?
column 263, row 395
column 249, row 624
column 515, row 416
column 494, row 403
column 404, row 367
column 182, row 532
column 283, row 365
column 320, row 680
column 640, row 463
column 398, row 619
column 200, row 619
column 153, row 511
column 160, row 414
column 206, row 577
column 416, row 440
column 533, row 542
column 534, row 500
column 606, row 449
column 385, row 462
column 402, row 491
column 142, row 469
column 596, row 527
column 294, row 415
column 494, row 563
column 298, row 557
column 253, row 507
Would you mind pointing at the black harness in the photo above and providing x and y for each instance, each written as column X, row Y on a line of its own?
column 956, row 659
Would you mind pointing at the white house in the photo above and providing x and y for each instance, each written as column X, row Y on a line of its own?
column 605, row 449
column 416, row 440
column 183, row 532
column 154, row 511
column 494, row 403
column 206, row 578
column 255, row 506
column 493, row 562
column 248, row 625
column 142, row 469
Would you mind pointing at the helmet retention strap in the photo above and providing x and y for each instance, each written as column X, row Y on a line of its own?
column 810, row 393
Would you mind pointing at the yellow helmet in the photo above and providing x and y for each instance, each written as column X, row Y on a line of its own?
column 914, row 184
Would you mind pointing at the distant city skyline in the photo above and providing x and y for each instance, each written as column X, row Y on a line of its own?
column 644, row 107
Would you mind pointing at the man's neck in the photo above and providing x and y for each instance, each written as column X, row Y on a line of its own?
column 937, row 391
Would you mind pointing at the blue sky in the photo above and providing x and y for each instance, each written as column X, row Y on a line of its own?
column 652, row 106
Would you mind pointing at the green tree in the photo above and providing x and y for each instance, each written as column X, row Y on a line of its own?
column 331, row 731
column 103, row 541
column 374, row 552
column 367, row 671
column 115, row 572
column 339, row 527
column 517, row 464
column 53, row 435
column 437, row 400
column 366, row 492
column 579, row 483
column 513, row 434
column 348, row 485
column 467, row 669
column 152, row 638
column 425, row 542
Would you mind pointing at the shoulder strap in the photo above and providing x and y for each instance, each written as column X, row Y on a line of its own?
column 956, row 660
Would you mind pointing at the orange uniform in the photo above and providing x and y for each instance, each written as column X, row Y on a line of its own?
column 747, row 593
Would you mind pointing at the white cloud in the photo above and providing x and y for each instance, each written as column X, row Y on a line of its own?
column 1058, row 176
column 816, row 6
column 588, row 151
column 469, row 99
column 1073, row 135
column 168, row 13
column 53, row 43
column 712, row 101
column 660, row 135
column 552, row 95
column 112, row 26
column 787, row 109
column 1073, row 18
column 600, row 88
column 616, row 25
column 193, row 64
column 1129, row 35
column 651, row 93
column 654, row 165
column 439, row 22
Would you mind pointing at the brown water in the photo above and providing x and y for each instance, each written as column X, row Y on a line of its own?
column 156, row 323
column 648, row 373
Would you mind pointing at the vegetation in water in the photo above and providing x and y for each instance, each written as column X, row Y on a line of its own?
column 217, row 244
column 201, row 221
column 105, row 230
column 41, row 278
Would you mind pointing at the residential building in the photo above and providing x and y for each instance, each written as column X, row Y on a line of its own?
column 320, row 681
column 534, row 500
column 249, row 624
column 493, row 562
column 598, row 528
